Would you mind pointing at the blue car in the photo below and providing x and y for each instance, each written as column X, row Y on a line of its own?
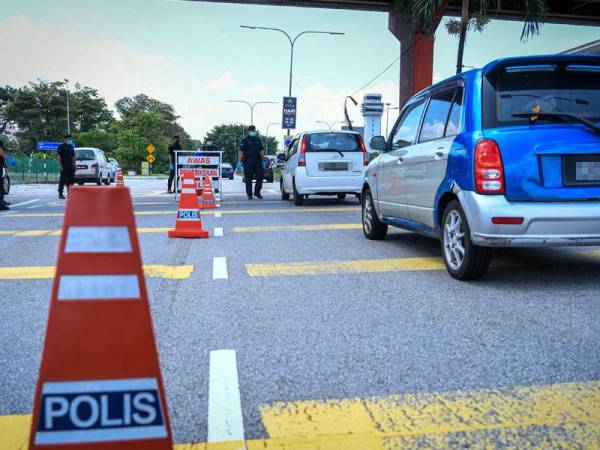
column 503, row 156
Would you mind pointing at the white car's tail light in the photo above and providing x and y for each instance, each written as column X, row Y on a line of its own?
column 489, row 171
column 364, row 151
column 302, row 155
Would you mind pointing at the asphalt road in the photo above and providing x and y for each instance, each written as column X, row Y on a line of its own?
column 340, row 342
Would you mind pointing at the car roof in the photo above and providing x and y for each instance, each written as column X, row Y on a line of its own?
column 328, row 131
column 87, row 148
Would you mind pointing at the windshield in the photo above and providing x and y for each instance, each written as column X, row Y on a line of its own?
column 333, row 142
column 545, row 89
column 85, row 155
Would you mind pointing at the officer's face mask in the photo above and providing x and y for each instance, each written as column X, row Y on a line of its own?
column 252, row 133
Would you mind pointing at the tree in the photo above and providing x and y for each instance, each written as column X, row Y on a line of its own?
column 40, row 111
column 101, row 139
column 474, row 15
column 227, row 138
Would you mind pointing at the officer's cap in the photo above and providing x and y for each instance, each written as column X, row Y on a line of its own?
column 251, row 128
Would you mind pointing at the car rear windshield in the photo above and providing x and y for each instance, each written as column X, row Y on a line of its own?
column 333, row 142
column 572, row 89
column 85, row 155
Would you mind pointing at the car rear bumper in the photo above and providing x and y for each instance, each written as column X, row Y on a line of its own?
column 328, row 185
column 545, row 224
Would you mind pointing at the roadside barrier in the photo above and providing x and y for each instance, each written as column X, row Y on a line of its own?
column 208, row 196
column 99, row 382
column 188, row 223
column 120, row 179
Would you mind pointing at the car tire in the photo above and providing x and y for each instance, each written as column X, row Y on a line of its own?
column 456, row 234
column 341, row 196
column 298, row 198
column 99, row 180
column 6, row 183
column 284, row 195
column 373, row 228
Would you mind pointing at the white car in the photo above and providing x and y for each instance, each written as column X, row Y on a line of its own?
column 114, row 165
column 323, row 163
column 92, row 166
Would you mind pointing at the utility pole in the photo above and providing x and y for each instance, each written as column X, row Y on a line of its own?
column 68, row 109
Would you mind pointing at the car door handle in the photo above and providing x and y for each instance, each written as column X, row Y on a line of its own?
column 400, row 160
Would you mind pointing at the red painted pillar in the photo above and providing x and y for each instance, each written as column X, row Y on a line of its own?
column 422, row 65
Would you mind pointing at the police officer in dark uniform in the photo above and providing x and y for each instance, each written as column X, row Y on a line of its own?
column 251, row 155
column 175, row 146
column 65, row 153
column 3, row 157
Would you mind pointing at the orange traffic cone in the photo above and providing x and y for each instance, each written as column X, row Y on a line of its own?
column 188, row 222
column 99, row 383
column 120, row 180
column 208, row 196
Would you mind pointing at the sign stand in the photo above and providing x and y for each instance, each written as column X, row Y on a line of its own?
column 203, row 164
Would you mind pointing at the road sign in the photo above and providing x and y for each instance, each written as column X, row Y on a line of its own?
column 150, row 148
column 145, row 168
column 150, row 158
column 289, row 113
column 47, row 146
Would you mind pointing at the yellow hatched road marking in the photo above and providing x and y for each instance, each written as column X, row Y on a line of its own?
column 412, row 264
column 204, row 213
column 553, row 416
column 322, row 227
column 45, row 272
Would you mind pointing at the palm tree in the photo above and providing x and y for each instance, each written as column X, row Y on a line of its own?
column 474, row 15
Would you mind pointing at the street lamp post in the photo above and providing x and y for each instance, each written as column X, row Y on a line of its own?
column 292, row 43
column 267, row 137
column 68, row 109
column 251, row 106
column 333, row 124
column 387, row 120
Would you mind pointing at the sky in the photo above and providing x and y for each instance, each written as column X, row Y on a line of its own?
column 195, row 56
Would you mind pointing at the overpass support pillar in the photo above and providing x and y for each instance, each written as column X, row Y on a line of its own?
column 416, row 61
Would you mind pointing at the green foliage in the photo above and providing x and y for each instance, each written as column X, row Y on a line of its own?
column 101, row 139
column 227, row 138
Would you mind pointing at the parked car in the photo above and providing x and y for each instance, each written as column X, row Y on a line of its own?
column 503, row 156
column 323, row 163
column 92, row 166
column 114, row 166
column 267, row 171
column 227, row 171
column 6, row 183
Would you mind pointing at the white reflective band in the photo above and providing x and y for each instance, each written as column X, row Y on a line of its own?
column 188, row 182
column 87, row 386
column 98, row 240
column 115, row 434
column 100, row 287
column 188, row 191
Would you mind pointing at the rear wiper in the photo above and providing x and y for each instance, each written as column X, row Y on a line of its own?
column 533, row 116
column 339, row 151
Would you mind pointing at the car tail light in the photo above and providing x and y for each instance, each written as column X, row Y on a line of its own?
column 489, row 172
column 364, row 151
column 95, row 167
column 507, row 220
column 302, row 155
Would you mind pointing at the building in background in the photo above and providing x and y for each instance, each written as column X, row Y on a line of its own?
column 372, row 110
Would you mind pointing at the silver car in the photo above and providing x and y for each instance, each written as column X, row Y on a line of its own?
column 92, row 166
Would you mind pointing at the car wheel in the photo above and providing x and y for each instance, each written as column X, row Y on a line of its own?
column 464, row 260
column 373, row 228
column 6, row 184
column 298, row 198
column 284, row 195
column 99, row 180
column 341, row 196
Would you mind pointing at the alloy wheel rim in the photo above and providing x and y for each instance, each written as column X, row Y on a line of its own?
column 454, row 240
column 368, row 214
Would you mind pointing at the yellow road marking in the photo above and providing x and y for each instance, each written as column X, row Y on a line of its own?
column 204, row 213
column 31, row 233
column 45, row 272
column 412, row 264
column 330, row 226
column 552, row 416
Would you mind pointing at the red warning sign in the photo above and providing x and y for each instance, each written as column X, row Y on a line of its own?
column 99, row 383
column 200, row 172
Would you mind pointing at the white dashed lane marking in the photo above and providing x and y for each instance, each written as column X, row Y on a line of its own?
column 220, row 268
column 218, row 232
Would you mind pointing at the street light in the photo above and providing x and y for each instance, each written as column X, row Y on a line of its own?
column 267, row 138
column 68, row 109
column 348, row 121
column 387, row 120
column 292, row 43
column 330, row 126
column 251, row 106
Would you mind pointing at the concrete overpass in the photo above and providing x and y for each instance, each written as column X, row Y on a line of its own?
column 416, row 65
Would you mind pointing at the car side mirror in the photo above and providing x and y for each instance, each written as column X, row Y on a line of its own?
column 378, row 143
column 281, row 157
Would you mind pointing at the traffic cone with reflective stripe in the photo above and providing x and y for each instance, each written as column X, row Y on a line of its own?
column 208, row 196
column 188, row 224
column 99, row 384
column 120, row 180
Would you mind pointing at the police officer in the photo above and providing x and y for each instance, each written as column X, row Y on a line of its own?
column 65, row 154
column 175, row 146
column 3, row 157
column 251, row 155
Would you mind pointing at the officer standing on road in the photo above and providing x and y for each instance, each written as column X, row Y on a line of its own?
column 251, row 154
column 3, row 157
column 65, row 154
column 175, row 146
